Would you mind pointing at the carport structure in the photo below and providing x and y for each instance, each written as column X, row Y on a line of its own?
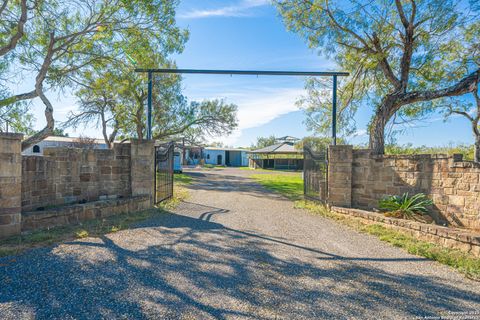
column 279, row 156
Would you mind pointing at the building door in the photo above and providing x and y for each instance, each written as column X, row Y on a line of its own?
column 227, row 158
column 219, row 160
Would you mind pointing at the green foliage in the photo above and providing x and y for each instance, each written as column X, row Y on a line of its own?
column 317, row 106
column 182, row 179
column 263, row 142
column 16, row 118
column 405, row 206
column 463, row 262
column 466, row 150
column 209, row 117
column 64, row 45
column 81, row 234
column 457, row 259
column 317, row 143
column 58, row 132
column 116, row 100
column 370, row 40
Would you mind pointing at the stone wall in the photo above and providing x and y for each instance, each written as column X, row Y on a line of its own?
column 77, row 213
column 73, row 175
column 340, row 176
column 460, row 239
column 142, row 168
column 70, row 184
column 10, row 183
column 451, row 183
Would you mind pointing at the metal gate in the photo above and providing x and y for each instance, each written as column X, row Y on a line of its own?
column 315, row 174
column 164, row 172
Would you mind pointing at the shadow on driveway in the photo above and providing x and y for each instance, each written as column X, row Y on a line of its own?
column 176, row 266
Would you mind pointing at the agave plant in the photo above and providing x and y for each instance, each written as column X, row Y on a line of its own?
column 406, row 206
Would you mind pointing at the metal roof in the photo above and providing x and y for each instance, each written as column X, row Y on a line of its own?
column 224, row 149
column 284, row 147
column 71, row 139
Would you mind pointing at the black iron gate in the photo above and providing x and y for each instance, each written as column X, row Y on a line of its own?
column 315, row 174
column 164, row 172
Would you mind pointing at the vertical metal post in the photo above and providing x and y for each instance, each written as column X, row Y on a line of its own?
column 184, row 152
column 155, row 177
column 334, row 111
column 149, row 106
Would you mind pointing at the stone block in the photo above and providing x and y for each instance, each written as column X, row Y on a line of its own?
column 456, row 200
column 9, row 230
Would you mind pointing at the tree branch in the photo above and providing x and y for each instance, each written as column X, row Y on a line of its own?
column 20, row 30
column 467, row 84
column 345, row 29
column 401, row 13
column 384, row 65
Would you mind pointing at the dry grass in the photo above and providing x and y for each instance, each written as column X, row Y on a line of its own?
column 461, row 261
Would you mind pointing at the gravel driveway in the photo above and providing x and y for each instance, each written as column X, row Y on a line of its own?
column 233, row 250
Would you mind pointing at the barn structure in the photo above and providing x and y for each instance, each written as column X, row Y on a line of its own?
column 279, row 156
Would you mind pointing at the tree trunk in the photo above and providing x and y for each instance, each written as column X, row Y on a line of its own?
column 377, row 136
column 42, row 74
column 476, row 156
column 104, row 129
column 377, row 130
column 45, row 132
column 139, row 131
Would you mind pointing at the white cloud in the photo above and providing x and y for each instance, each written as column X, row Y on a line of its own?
column 360, row 133
column 239, row 10
column 255, row 111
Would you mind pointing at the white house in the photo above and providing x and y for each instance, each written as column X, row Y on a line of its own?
column 52, row 142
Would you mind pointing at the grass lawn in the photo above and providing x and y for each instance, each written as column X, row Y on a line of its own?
column 267, row 170
column 463, row 262
column 291, row 186
column 182, row 179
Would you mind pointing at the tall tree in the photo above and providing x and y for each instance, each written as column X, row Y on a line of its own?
column 210, row 118
column 97, row 105
column 263, row 142
column 59, row 39
column 317, row 106
column 470, row 110
column 116, row 101
column 315, row 143
column 397, row 51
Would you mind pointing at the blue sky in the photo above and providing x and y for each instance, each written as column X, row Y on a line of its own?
column 249, row 34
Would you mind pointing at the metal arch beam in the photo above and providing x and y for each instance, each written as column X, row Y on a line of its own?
column 247, row 72
column 333, row 74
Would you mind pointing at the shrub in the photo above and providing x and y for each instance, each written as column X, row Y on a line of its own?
column 406, row 206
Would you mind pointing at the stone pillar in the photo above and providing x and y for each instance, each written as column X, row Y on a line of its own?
column 142, row 167
column 10, row 184
column 340, row 160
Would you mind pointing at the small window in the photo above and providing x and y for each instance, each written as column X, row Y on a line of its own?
column 36, row 149
column 208, row 156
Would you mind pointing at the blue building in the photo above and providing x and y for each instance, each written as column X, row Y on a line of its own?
column 225, row 157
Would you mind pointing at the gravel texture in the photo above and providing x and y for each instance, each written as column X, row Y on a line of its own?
column 233, row 250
